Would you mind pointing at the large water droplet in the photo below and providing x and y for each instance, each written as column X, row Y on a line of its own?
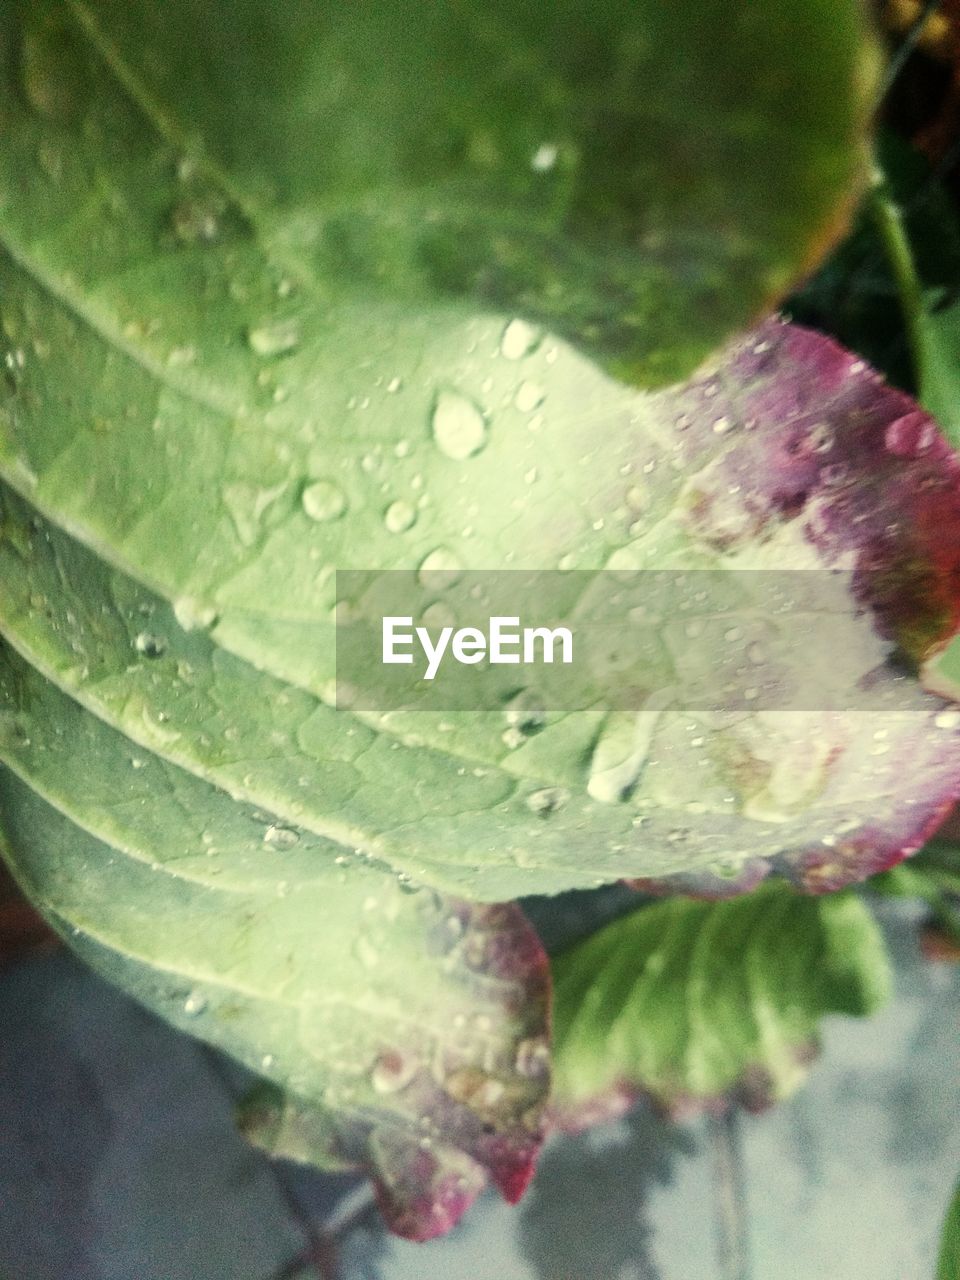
column 519, row 339
column 280, row 837
column 399, row 517
column 529, row 396
column 323, row 500
column 195, row 1004
column 459, row 427
column 192, row 614
column 526, row 711
column 622, row 748
column 909, row 435
column 546, row 801
column 149, row 645
column 439, row 570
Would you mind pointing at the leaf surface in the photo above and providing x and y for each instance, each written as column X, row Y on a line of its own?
column 693, row 1002
column 412, row 1027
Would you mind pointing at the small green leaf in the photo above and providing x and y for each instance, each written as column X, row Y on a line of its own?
column 689, row 1001
column 939, row 360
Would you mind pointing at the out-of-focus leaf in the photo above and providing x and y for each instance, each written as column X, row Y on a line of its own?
column 939, row 360
column 693, row 1002
column 643, row 178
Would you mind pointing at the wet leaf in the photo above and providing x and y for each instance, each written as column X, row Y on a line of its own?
column 691, row 1003
column 405, row 1022
column 281, row 295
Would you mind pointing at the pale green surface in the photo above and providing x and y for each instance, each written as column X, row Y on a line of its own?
column 249, row 934
column 243, row 353
column 198, row 356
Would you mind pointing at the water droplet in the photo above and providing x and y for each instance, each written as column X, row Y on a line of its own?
column 533, row 1057
column 545, row 157
column 459, row 427
column 150, row 646
column 949, row 719
column 394, row 385
column 323, row 500
column 621, row 750
column 192, row 614
column 195, row 1004
column 438, row 615
column 546, row 801
column 513, row 738
column 276, row 338
column 820, row 438
column 197, row 219
column 439, row 570
column 393, row 1071
column 518, row 340
column 529, row 396
column 909, row 435
column 721, row 426
column 399, row 517
column 280, row 837
column 526, row 711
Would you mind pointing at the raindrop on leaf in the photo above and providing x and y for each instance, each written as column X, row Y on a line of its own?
column 323, row 500
column 459, row 428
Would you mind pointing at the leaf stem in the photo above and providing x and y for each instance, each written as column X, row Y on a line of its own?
column 729, row 1202
column 889, row 220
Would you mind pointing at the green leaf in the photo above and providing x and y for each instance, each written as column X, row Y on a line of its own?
column 949, row 1264
column 692, row 1001
column 642, row 178
column 412, row 1027
column 229, row 351
column 939, row 359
